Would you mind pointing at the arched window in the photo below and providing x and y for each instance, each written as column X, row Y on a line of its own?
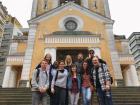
column 66, row 1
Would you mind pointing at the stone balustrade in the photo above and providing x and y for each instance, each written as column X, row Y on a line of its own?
column 126, row 59
column 87, row 39
column 15, row 59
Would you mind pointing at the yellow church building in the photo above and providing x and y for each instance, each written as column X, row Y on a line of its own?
column 62, row 27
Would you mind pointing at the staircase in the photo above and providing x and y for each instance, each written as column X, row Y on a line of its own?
column 22, row 96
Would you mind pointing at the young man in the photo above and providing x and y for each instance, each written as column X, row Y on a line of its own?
column 79, row 62
column 102, row 82
column 91, row 54
column 40, row 84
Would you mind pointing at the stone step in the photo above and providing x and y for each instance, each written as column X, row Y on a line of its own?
column 22, row 96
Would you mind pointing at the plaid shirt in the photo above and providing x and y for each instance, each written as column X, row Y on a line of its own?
column 103, row 75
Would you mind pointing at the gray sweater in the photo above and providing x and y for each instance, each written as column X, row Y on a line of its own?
column 61, row 78
column 43, row 80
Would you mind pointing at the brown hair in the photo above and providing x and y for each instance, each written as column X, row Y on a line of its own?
column 72, row 66
column 48, row 54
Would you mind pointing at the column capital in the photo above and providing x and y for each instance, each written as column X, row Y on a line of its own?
column 109, row 26
column 32, row 25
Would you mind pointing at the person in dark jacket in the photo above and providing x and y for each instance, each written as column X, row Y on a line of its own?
column 79, row 62
column 90, row 57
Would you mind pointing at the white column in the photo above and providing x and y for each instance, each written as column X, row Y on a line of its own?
column 134, row 76
column 106, row 7
column 51, row 51
column 127, row 77
column 6, row 77
column 85, row 3
column 55, row 3
column 130, row 76
column 113, row 52
column 13, row 77
column 138, row 72
column 34, row 8
column 28, row 53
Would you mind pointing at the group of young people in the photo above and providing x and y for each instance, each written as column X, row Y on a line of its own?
column 64, row 81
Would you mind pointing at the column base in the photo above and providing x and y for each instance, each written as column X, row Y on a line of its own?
column 119, row 82
column 24, row 83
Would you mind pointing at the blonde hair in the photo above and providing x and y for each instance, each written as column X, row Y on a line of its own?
column 66, row 60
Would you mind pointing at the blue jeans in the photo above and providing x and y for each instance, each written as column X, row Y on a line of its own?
column 105, row 98
column 86, row 92
column 38, row 98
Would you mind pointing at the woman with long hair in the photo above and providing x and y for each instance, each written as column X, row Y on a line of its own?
column 68, row 62
column 87, row 86
column 74, row 85
column 58, row 85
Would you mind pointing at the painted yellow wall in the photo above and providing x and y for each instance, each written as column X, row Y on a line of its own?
column 99, row 4
column 118, row 45
column 21, row 47
column 51, row 24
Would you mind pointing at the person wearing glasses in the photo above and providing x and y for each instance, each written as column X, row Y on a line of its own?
column 91, row 54
column 102, row 82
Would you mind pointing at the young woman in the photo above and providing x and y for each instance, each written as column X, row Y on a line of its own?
column 74, row 85
column 58, row 85
column 87, row 87
column 68, row 62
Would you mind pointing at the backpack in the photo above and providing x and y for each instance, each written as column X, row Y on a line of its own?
column 37, row 79
column 111, row 78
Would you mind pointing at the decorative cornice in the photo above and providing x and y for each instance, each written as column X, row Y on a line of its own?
column 70, row 6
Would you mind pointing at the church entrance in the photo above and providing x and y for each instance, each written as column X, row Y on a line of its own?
column 62, row 52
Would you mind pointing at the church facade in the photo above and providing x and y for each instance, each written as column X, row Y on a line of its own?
column 62, row 27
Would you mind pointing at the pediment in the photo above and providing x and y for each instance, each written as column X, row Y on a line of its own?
column 70, row 6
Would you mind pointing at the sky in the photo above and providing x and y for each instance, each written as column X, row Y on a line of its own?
column 125, row 13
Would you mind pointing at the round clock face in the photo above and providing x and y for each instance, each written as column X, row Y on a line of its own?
column 70, row 25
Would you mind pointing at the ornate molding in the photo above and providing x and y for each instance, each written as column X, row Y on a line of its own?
column 126, row 59
column 15, row 60
column 72, row 39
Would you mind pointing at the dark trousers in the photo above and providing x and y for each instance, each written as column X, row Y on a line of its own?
column 105, row 98
column 59, row 97
column 52, row 99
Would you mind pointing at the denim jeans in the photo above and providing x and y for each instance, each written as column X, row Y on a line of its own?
column 74, row 97
column 86, row 92
column 38, row 98
column 105, row 98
